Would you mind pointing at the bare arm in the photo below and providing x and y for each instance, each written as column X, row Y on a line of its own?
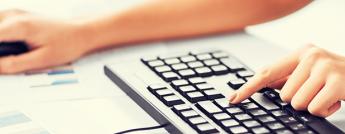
column 159, row 19
column 56, row 42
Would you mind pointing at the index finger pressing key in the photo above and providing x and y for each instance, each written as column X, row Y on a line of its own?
column 267, row 76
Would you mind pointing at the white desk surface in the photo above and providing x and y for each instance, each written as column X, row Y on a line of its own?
column 117, row 112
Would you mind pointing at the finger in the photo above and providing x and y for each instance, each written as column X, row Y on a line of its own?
column 308, row 91
column 36, row 59
column 297, row 78
column 279, row 83
column 269, row 75
column 326, row 102
column 10, row 32
column 266, row 76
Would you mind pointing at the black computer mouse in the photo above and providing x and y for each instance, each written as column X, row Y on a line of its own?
column 13, row 48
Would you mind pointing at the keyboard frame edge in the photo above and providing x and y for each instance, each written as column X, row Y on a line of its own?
column 139, row 100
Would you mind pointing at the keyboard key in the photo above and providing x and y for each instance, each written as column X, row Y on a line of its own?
column 234, row 110
column 206, row 128
column 307, row 118
column 257, row 112
column 203, row 56
column 189, row 114
column 264, row 102
column 197, row 120
column 187, row 73
column 297, row 127
column 266, row 119
column 155, row 63
column 177, row 83
column 236, row 83
column 195, row 96
column 161, row 69
column 260, row 130
column 170, row 76
column 221, row 116
column 213, row 94
column 246, row 101
column 220, row 55
column 284, row 131
column 305, row 132
column 219, row 69
column 238, row 130
column 287, row 120
column 223, row 103
column 163, row 92
column 280, row 103
column 188, row 59
column 196, row 80
column 229, row 123
column 249, row 106
column 275, row 126
column 204, row 86
column 186, row 89
column 251, row 123
column 172, row 100
column 271, row 95
column 245, row 73
column 182, row 107
column 155, row 87
column 211, row 62
column 203, row 71
column 232, row 64
column 242, row 117
column 208, row 107
column 148, row 58
column 195, row 64
column 279, row 113
column 172, row 61
column 179, row 66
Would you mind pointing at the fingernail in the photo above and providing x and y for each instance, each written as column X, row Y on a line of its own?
column 232, row 97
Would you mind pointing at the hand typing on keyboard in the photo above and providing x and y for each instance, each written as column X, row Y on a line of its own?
column 310, row 79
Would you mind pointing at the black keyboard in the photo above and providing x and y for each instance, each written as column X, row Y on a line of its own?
column 195, row 101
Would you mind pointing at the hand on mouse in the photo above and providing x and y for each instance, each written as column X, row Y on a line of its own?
column 52, row 42
column 310, row 79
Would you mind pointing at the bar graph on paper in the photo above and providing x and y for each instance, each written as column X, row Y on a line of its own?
column 59, row 76
column 16, row 122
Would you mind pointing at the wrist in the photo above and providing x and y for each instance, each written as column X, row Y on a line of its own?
column 92, row 36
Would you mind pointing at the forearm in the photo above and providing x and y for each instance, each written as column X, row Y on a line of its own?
column 157, row 20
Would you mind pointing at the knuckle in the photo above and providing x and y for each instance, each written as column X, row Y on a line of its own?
column 265, row 73
column 314, row 53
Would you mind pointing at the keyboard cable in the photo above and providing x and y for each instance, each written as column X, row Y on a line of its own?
column 141, row 129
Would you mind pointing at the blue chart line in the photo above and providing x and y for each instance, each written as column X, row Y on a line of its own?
column 61, row 72
column 13, row 118
column 64, row 82
column 53, row 77
column 10, row 120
